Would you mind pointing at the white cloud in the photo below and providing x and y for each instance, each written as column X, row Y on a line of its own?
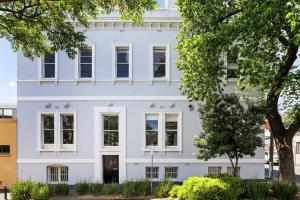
column 12, row 84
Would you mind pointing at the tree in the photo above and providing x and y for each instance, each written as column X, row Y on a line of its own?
column 38, row 26
column 229, row 129
column 267, row 36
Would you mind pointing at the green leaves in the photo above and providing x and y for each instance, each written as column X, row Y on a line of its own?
column 38, row 26
column 229, row 129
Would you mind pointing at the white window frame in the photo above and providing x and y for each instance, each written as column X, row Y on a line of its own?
column 57, row 146
column 151, row 63
column 41, row 70
column 177, row 169
column 114, row 62
column 77, row 68
column 151, row 172
column 161, row 132
column 59, row 174
column 230, row 171
column 67, row 147
column 215, row 167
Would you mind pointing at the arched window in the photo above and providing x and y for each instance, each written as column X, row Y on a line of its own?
column 57, row 174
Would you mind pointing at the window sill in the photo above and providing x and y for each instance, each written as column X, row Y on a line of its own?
column 48, row 79
column 4, row 154
column 232, row 79
column 109, row 149
column 160, row 80
column 85, row 80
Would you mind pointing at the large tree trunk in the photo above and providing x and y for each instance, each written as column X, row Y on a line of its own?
column 284, row 147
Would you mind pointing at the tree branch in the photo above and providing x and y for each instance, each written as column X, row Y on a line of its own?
column 230, row 15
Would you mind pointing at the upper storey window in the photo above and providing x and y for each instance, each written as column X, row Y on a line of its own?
column 86, row 62
column 159, row 62
column 49, row 66
column 162, row 3
column 122, row 65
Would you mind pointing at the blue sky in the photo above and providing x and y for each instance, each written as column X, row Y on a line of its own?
column 8, row 73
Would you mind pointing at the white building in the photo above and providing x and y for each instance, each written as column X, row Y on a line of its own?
column 99, row 116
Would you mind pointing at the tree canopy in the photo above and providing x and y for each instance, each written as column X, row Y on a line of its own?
column 230, row 129
column 267, row 36
column 38, row 26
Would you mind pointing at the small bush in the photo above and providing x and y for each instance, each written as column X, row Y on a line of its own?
column 163, row 189
column 83, row 188
column 257, row 190
column 136, row 188
column 22, row 190
column 40, row 192
column 203, row 188
column 95, row 188
column 112, row 189
column 284, row 190
column 59, row 189
column 174, row 191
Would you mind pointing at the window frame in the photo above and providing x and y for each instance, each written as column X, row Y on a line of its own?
column 57, row 146
column 176, row 173
column 103, row 130
column 114, row 62
column 59, row 174
column 151, row 63
column 297, row 148
column 230, row 171
column 5, row 153
column 77, row 68
column 151, row 172
column 41, row 69
column 210, row 167
column 161, row 132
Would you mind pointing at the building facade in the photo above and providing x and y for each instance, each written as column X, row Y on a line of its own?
column 101, row 116
column 8, row 149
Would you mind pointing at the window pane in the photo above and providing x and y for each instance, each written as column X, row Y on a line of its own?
column 49, row 70
column 7, row 113
column 171, row 172
column 111, row 138
column 48, row 121
column 151, row 172
column 232, row 56
column 151, row 124
column 161, row 3
column 68, row 137
column 159, row 70
column 159, row 56
column 48, row 136
column 64, row 174
column 214, row 170
column 231, row 73
column 111, row 122
column 86, row 70
column 151, row 138
column 171, row 138
column 67, row 121
column 49, row 58
column 4, row 149
column 122, row 70
column 86, row 51
column 86, row 59
column 122, row 55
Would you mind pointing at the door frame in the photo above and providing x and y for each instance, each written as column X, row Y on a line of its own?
column 100, row 150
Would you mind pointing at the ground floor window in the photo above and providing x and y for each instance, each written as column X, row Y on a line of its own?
column 297, row 147
column 214, row 170
column 57, row 174
column 151, row 172
column 230, row 171
column 171, row 172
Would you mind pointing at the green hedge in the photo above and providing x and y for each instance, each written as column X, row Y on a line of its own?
column 284, row 190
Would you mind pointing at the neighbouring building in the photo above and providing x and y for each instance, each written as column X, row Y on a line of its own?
column 99, row 117
column 8, row 149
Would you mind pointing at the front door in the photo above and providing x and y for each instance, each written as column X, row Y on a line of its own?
column 110, row 169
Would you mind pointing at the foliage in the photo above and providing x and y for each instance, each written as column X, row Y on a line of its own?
column 59, row 189
column 136, row 188
column 40, row 192
column 229, row 129
column 112, row 189
column 204, row 188
column 284, row 190
column 267, row 36
column 21, row 190
column 236, row 185
column 257, row 190
column 174, row 191
column 35, row 27
column 83, row 188
column 164, row 188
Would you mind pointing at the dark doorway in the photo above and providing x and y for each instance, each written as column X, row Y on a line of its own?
column 111, row 169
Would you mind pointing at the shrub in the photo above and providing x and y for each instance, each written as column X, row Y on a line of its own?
column 174, row 191
column 203, row 188
column 40, row 192
column 163, row 189
column 22, row 190
column 257, row 190
column 136, row 188
column 59, row 189
column 112, row 189
column 284, row 190
column 83, row 188
column 95, row 188
column 236, row 185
